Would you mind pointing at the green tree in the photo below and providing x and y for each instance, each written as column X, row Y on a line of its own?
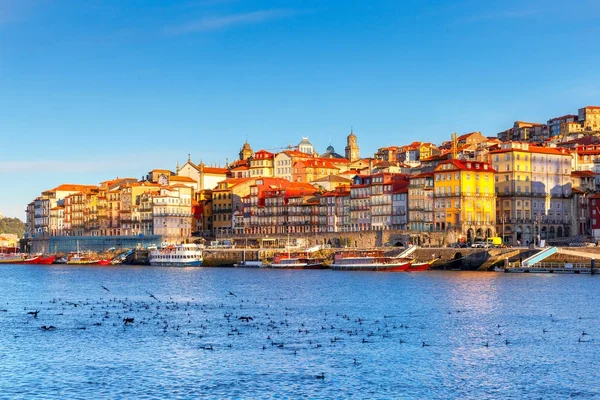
column 12, row 225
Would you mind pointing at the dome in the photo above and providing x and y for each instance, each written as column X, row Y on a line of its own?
column 330, row 149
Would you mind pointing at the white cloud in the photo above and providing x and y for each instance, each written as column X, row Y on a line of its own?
column 208, row 24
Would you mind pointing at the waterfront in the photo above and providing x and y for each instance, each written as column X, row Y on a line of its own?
column 365, row 331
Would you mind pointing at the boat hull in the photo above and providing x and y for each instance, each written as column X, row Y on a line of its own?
column 196, row 263
column 46, row 260
column 419, row 267
column 399, row 267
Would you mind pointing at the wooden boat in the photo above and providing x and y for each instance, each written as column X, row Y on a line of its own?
column 81, row 259
column 369, row 260
column 46, row 260
column 31, row 260
column 12, row 258
column 414, row 267
column 295, row 261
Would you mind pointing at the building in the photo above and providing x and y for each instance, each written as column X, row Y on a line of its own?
column 360, row 203
column 306, row 147
column 589, row 117
column 336, row 205
column 172, row 213
column 206, row 177
column 420, row 203
column 464, row 199
column 352, row 148
column 227, row 200
column 246, row 151
column 261, row 164
column 400, row 202
column 533, row 192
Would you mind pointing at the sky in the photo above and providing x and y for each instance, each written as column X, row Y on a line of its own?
column 97, row 89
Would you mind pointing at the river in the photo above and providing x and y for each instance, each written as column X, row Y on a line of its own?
column 261, row 333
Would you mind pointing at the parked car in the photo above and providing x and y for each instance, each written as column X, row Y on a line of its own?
column 481, row 245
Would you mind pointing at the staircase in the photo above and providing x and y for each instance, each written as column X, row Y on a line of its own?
column 406, row 253
column 536, row 258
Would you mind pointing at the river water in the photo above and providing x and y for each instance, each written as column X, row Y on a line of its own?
column 432, row 335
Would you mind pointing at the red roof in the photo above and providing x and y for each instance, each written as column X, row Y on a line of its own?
column 584, row 174
column 467, row 166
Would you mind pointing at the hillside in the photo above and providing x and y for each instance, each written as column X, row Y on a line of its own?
column 12, row 225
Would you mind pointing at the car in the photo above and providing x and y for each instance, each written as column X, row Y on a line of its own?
column 480, row 245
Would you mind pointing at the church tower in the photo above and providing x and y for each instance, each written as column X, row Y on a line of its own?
column 352, row 149
column 246, row 151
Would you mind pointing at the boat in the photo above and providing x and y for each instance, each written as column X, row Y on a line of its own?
column 105, row 262
column 181, row 255
column 81, row 259
column 249, row 264
column 369, row 260
column 18, row 258
column 46, row 260
column 414, row 267
column 297, row 261
column 11, row 258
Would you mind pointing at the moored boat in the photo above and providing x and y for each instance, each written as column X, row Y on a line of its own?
column 81, row 259
column 414, row 267
column 32, row 260
column 12, row 258
column 369, row 260
column 293, row 261
column 182, row 255
column 249, row 264
column 46, row 260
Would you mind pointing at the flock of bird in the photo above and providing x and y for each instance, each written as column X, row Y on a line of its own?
column 265, row 327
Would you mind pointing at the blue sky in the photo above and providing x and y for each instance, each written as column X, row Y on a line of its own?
column 91, row 90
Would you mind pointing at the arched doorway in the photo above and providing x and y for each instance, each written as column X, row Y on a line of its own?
column 567, row 231
column 479, row 233
column 527, row 235
column 551, row 232
column 470, row 235
column 559, row 232
column 544, row 232
column 519, row 232
column 489, row 233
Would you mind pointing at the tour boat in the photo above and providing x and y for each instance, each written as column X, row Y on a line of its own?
column 369, row 260
column 81, row 259
column 182, row 255
column 414, row 267
column 11, row 258
column 18, row 258
column 294, row 261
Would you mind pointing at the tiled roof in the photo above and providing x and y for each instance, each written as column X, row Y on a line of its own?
column 584, row 174
column 178, row 178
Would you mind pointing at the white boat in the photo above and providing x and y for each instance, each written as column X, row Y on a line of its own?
column 181, row 255
column 249, row 264
column 372, row 260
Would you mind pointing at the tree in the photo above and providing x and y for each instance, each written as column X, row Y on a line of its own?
column 12, row 225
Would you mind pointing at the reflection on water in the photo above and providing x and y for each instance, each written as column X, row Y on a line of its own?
column 259, row 333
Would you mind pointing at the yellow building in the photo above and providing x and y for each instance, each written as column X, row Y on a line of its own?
column 226, row 200
column 464, row 199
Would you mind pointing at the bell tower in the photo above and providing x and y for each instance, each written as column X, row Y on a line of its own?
column 352, row 149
